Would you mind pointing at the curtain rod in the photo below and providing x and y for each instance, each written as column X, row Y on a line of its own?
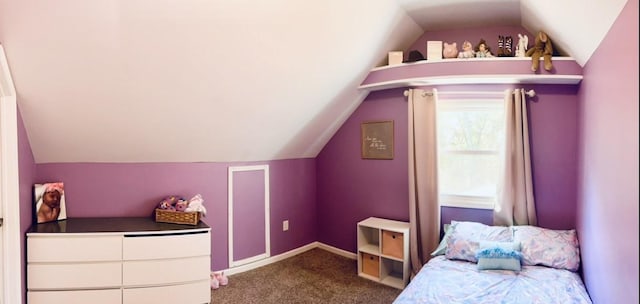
column 530, row 93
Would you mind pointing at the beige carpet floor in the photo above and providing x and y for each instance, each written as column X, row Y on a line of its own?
column 315, row 276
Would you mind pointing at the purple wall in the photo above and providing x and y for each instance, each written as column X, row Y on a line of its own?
column 608, row 165
column 248, row 206
column 27, row 171
column 351, row 189
column 113, row 190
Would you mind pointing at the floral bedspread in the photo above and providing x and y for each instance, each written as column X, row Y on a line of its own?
column 449, row 281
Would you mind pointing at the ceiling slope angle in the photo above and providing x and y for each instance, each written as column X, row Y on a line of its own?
column 192, row 81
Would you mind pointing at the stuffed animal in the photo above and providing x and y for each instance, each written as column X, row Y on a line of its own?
column 196, row 205
column 467, row 50
column 450, row 50
column 541, row 48
column 523, row 44
column 181, row 205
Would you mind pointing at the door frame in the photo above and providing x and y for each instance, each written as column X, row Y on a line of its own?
column 267, row 238
column 10, row 236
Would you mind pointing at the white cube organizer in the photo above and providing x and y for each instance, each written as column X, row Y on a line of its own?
column 383, row 251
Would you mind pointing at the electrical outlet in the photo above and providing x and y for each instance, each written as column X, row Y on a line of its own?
column 285, row 225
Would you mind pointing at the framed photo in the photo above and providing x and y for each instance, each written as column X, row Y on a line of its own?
column 377, row 139
column 49, row 202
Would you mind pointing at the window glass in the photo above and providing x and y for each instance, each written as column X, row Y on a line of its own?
column 470, row 133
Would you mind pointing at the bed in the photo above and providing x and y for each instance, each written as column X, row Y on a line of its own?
column 476, row 263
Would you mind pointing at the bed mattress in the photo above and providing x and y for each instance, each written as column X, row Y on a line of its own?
column 451, row 281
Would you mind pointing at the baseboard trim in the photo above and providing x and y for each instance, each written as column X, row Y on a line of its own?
column 288, row 254
column 338, row 251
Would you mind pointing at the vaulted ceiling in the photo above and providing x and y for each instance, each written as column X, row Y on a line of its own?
column 229, row 80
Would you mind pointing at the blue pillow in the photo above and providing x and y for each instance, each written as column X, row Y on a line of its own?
column 499, row 256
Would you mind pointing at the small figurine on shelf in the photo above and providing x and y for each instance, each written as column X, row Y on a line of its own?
column 450, row 50
column 523, row 44
column 482, row 50
column 467, row 50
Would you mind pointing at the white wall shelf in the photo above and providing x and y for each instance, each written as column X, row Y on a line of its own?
column 497, row 70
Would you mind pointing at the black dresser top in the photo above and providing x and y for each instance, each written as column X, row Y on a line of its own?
column 127, row 225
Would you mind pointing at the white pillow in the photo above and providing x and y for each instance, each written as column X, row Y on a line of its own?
column 552, row 248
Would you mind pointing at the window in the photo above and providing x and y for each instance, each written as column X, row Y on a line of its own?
column 470, row 135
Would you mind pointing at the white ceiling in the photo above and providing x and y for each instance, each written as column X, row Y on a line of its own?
column 235, row 80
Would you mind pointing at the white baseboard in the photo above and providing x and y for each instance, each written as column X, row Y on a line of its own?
column 288, row 254
column 338, row 251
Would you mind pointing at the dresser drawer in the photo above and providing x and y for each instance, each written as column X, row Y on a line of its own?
column 109, row 296
column 192, row 293
column 68, row 276
column 166, row 246
column 74, row 248
column 170, row 271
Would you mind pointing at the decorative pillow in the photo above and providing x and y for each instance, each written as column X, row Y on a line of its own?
column 443, row 244
column 463, row 241
column 499, row 256
column 513, row 246
column 552, row 248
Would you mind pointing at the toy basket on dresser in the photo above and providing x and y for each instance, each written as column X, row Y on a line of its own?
column 177, row 217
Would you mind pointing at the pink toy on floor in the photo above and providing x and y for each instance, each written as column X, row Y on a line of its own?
column 214, row 282
column 222, row 279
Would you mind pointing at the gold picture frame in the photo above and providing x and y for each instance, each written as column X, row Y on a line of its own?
column 376, row 139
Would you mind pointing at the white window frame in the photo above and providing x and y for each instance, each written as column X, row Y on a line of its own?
column 467, row 201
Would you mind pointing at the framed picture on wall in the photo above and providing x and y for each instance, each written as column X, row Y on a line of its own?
column 376, row 138
column 49, row 202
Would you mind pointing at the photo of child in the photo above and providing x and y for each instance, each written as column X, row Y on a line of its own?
column 50, row 205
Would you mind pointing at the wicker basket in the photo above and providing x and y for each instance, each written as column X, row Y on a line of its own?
column 177, row 217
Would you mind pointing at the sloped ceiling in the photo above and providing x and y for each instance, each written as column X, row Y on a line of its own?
column 222, row 81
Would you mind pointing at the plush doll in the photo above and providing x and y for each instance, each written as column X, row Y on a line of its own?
column 196, row 205
column 482, row 50
column 164, row 205
column 450, row 50
column 541, row 48
column 523, row 44
column 181, row 205
column 467, row 50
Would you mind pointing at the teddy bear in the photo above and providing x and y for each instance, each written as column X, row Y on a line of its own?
column 467, row 50
column 541, row 48
column 450, row 50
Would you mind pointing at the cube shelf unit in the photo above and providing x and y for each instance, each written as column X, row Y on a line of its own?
column 383, row 251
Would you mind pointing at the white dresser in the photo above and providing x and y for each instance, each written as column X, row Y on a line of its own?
column 118, row 260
